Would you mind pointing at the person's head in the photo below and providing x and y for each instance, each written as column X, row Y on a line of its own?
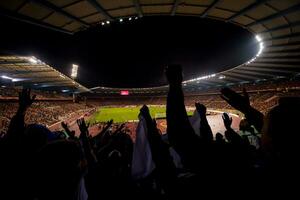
column 36, row 136
column 281, row 138
column 244, row 125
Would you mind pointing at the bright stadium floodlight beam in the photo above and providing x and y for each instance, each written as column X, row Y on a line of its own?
column 258, row 38
column 107, row 22
column 261, row 45
column 74, row 71
column 6, row 77
column 129, row 18
column 121, row 20
column 33, row 60
column 102, row 23
column 200, row 78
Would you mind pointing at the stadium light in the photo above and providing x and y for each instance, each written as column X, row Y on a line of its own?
column 261, row 47
column 107, row 22
column 258, row 38
column 136, row 18
column 120, row 20
column 200, row 78
column 10, row 78
column 6, row 77
column 74, row 71
column 102, row 23
column 33, row 60
column 222, row 77
column 129, row 18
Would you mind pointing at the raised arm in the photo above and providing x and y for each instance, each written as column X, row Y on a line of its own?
column 85, row 142
column 17, row 124
column 242, row 104
column 205, row 130
column 230, row 134
column 180, row 132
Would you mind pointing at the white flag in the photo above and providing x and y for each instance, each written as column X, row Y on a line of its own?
column 142, row 163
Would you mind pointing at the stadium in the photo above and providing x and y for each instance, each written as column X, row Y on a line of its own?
column 121, row 87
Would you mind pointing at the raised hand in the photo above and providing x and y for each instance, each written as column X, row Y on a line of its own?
column 227, row 121
column 201, row 109
column 174, row 74
column 68, row 131
column 119, row 129
column 83, row 127
column 239, row 102
column 25, row 100
column 144, row 111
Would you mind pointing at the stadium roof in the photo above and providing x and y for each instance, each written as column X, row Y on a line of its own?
column 277, row 22
column 33, row 73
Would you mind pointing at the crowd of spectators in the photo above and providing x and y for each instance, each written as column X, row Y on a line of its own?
column 42, row 112
column 50, row 108
column 186, row 162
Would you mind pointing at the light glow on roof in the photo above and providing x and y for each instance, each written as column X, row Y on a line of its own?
column 33, row 60
column 261, row 47
column 74, row 70
column 258, row 38
column 200, row 78
column 6, row 77
column 10, row 78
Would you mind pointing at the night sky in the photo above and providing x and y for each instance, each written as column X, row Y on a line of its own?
column 134, row 53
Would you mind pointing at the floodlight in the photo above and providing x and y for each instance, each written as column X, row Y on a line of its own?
column 33, row 60
column 6, row 77
column 74, row 70
column 258, row 38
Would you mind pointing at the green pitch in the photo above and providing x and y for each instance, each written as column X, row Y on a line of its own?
column 124, row 114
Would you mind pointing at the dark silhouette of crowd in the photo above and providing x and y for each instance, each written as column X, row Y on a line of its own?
column 39, row 164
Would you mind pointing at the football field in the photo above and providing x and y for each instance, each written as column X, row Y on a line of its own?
column 125, row 114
